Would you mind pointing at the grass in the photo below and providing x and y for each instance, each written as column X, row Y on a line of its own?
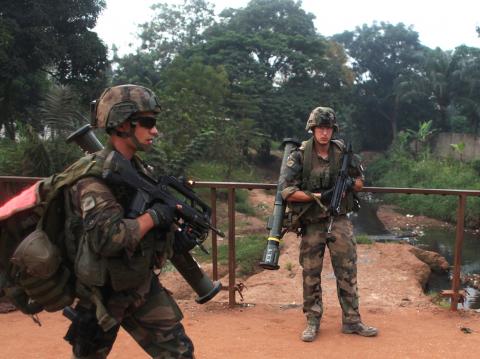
column 363, row 239
column 401, row 170
column 215, row 171
column 242, row 204
column 249, row 252
column 289, row 266
column 436, row 298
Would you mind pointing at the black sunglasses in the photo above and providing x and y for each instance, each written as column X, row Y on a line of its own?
column 145, row 122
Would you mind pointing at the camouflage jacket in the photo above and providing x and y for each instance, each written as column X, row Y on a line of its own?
column 110, row 249
column 320, row 176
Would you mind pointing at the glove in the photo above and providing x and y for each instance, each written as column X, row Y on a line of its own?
column 326, row 197
column 163, row 215
column 183, row 242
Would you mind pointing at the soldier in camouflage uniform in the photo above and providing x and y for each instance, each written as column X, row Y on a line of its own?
column 116, row 255
column 307, row 186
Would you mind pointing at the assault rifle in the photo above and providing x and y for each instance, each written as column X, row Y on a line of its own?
column 191, row 212
column 340, row 187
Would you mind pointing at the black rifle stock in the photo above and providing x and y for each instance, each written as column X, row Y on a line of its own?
column 275, row 222
column 192, row 211
column 340, row 187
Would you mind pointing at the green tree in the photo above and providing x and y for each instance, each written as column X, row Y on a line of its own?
column 46, row 39
column 192, row 97
column 172, row 30
column 137, row 68
column 466, row 75
column 384, row 55
column 175, row 28
column 439, row 75
column 279, row 67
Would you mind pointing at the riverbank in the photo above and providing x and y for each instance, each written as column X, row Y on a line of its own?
column 394, row 221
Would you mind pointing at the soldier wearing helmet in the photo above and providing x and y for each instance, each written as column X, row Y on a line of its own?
column 307, row 186
column 125, row 106
column 116, row 256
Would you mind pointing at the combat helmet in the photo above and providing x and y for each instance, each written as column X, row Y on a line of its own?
column 116, row 104
column 322, row 116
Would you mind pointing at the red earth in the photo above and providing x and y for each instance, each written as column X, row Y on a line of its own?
column 268, row 323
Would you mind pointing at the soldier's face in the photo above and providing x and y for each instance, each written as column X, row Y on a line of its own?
column 323, row 134
column 146, row 130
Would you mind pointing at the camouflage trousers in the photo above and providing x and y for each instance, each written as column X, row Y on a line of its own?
column 343, row 253
column 155, row 326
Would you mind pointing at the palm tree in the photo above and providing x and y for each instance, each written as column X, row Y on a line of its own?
column 439, row 70
column 59, row 111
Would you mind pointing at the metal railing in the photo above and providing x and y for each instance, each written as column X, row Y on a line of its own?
column 11, row 185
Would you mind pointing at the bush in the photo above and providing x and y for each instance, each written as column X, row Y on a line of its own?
column 401, row 170
column 31, row 156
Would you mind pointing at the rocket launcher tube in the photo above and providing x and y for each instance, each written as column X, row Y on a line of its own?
column 271, row 254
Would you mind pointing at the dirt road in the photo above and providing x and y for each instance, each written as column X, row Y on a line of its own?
column 269, row 321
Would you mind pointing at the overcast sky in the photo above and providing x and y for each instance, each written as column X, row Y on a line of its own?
column 443, row 23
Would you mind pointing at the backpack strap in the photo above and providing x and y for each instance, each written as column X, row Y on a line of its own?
column 307, row 160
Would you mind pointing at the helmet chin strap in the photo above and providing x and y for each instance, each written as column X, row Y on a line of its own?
column 135, row 140
column 131, row 134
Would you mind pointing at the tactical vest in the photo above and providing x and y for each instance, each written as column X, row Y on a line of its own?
column 316, row 179
column 121, row 273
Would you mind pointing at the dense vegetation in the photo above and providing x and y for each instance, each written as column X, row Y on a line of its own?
column 403, row 167
column 230, row 85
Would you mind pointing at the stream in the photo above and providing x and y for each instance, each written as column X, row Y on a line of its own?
column 438, row 240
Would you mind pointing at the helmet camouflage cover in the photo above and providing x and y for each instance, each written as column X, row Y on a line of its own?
column 322, row 116
column 116, row 104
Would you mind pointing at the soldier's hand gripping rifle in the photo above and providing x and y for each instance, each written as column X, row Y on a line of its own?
column 192, row 213
column 343, row 183
column 275, row 222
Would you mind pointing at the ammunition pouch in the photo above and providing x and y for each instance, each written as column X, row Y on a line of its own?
column 90, row 267
column 128, row 273
column 41, row 275
column 120, row 272
column 53, row 293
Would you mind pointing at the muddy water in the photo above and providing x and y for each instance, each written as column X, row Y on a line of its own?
column 441, row 241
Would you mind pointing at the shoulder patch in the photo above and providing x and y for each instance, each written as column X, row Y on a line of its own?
column 88, row 203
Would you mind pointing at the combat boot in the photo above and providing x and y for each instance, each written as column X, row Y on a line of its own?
column 360, row 329
column 311, row 331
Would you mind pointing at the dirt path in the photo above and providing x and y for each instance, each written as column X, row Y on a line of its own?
column 269, row 321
